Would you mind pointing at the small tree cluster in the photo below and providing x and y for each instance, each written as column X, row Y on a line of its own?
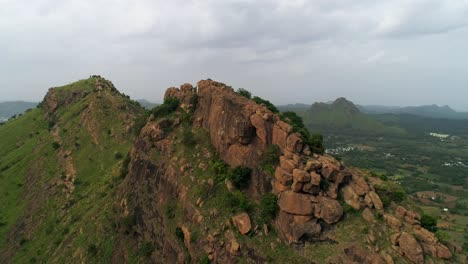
column 240, row 176
column 269, row 206
column 170, row 105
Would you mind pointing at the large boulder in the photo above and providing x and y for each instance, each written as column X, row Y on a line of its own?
column 329, row 210
column 296, row 203
column 410, row 248
column 351, row 198
column 242, row 222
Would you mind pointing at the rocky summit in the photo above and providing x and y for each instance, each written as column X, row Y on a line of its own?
column 210, row 176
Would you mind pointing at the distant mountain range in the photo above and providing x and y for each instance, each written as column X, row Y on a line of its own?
column 9, row 109
column 147, row 104
column 431, row 111
column 344, row 116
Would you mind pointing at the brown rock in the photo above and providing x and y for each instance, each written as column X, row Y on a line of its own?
column 294, row 143
column 368, row 216
column 315, row 178
column 301, row 176
column 312, row 165
column 261, row 128
column 359, row 255
column 278, row 187
column 443, row 252
column 359, row 185
column 332, row 191
column 351, row 198
column 279, row 136
column 242, row 222
column 284, row 126
column 410, row 248
column 393, row 222
column 287, row 164
column 375, row 200
column 308, row 187
column 283, row 176
column 295, row 228
column 296, row 203
column 329, row 210
column 296, row 186
column 400, row 211
column 388, row 259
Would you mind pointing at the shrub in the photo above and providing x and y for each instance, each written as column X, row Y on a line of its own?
column 240, row 176
column 441, row 235
column 244, row 93
column 389, row 192
column 55, row 145
column 267, row 103
column 92, row 249
column 270, row 158
column 179, row 233
column 193, row 102
column 124, row 168
column 170, row 105
column 140, row 122
column 188, row 137
column 146, row 249
column 429, row 222
column 269, row 206
column 315, row 141
column 204, row 260
column 118, row 155
column 220, row 170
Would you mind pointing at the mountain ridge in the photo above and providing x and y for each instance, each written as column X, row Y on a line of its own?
column 201, row 171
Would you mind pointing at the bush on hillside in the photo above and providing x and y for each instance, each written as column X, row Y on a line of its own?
column 429, row 222
column 315, row 141
column 240, row 176
column 244, row 93
column 270, row 158
column 267, row 103
column 269, row 206
column 170, row 105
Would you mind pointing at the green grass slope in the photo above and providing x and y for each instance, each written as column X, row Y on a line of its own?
column 58, row 172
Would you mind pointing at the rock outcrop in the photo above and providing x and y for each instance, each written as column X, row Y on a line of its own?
column 307, row 185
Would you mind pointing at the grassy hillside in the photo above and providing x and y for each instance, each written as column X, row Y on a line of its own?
column 58, row 174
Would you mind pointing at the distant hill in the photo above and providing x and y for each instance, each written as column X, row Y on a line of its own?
column 147, row 104
column 9, row 109
column 345, row 116
column 293, row 107
column 432, row 111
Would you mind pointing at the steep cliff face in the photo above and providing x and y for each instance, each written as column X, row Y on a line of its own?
column 313, row 191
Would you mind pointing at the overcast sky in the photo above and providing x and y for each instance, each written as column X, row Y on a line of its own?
column 287, row 51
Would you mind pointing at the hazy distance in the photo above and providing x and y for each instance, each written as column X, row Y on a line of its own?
column 371, row 52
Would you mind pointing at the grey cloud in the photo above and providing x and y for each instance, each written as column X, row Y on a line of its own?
column 287, row 50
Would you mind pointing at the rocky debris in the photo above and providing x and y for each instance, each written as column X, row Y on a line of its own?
column 242, row 222
column 408, row 247
column 375, row 199
column 359, row 255
column 233, row 247
column 393, row 222
column 408, row 216
column 431, row 244
column 368, row 215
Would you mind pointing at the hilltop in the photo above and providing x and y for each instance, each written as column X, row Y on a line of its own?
column 210, row 175
column 344, row 116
